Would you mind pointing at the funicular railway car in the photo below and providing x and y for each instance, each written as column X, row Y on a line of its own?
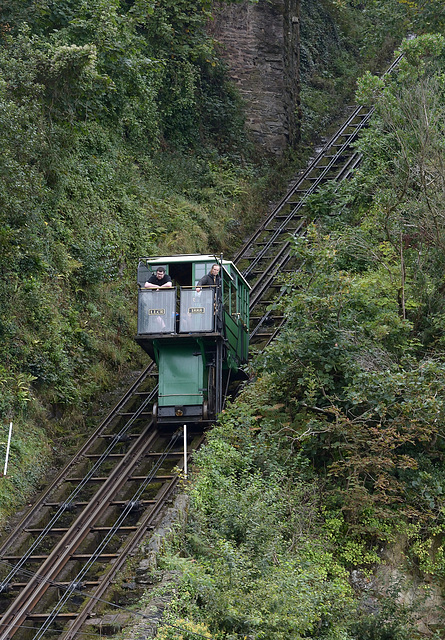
column 197, row 335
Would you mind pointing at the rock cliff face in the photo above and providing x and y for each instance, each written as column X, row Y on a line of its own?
column 260, row 42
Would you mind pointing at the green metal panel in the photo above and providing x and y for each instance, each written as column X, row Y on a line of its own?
column 237, row 340
column 181, row 375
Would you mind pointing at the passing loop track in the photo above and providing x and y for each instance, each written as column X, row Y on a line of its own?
column 78, row 534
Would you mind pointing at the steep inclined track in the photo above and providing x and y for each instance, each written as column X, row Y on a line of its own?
column 144, row 475
column 77, row 535
column 267, row 255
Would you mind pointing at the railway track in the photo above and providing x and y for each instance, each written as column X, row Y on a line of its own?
column 78, row 534
column 268, row 252
column 80, row 531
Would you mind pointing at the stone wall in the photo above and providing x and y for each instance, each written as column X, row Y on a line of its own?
column 259, row 41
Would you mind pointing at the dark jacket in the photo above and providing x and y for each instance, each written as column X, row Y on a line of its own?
column 209, row 280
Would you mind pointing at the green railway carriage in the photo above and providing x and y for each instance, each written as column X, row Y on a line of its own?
column 198, row 336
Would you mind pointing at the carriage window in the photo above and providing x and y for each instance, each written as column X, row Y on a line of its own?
column 233, row 299
column 202, row 269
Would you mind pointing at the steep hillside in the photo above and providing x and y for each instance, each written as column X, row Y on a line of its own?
column 121, row 136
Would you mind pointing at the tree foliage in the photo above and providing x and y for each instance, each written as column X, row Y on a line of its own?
column 360, row 364
column 121, row 137
column 87, row 93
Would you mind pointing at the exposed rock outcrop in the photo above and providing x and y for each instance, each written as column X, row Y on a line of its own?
column 260, row 43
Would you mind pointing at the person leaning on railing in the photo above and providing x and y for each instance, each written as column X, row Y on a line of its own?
column 159, row 280
column 211, row 279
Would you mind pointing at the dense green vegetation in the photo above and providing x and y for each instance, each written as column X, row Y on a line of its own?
column 122, row 136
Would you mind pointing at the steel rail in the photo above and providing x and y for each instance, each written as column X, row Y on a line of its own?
column 284, row 201
column 82, row 482
column 77, row 458
column 321, row 178
column 360, row 112
column 281, row 256
column 313, row 167
column 104, row 543
column 145, row 522
column 130, row 545
column 26, row 600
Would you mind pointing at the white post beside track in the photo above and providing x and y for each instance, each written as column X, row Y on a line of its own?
column 8, row 446
column 185, row 451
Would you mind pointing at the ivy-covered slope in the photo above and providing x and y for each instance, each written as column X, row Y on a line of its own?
column 121, row 137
